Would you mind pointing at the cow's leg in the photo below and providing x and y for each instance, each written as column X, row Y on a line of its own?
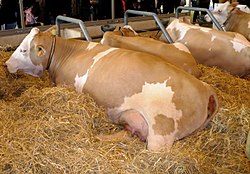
column 133, row 122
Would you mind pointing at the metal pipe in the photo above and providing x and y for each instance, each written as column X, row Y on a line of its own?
column 203, row 10
column 60, row 18
column 113, row 9
column 154, row 15
column 21, row 13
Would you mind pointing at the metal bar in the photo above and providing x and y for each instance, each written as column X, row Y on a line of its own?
column 60, row 18
column 203, row 10
column 113, row 9
column 21, row 13
column 154, row 15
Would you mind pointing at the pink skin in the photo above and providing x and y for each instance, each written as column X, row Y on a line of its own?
column 135, row 123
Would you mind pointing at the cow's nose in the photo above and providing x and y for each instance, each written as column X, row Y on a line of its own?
column 23, row 50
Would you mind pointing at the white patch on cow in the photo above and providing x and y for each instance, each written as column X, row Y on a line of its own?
column 186, row 43
column 154, row 99
column 213, row 38
column 91, row 45
column 205, row 29
column 239, row 42
column 102, row 41
column 130, row 28
column 182, row 29
column 80, row 81
column 181, row 47
column 237, row 46
column 101, row 55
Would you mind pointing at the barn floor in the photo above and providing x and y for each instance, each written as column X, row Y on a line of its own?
column 45, row 129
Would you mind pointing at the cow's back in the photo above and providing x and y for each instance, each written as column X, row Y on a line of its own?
column 227, row 50
column 176, row 54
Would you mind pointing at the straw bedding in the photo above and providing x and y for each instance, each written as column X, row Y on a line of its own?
column 45, row 129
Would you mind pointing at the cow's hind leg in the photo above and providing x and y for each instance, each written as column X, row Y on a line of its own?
column 133, row 122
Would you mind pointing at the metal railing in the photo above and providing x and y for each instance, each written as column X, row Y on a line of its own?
column 60, row 19
column 154, row 15
column 202, row 10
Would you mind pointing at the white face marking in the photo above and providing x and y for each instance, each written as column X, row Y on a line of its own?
column 20, row 59
column 243, row 8
column 81, row 81
column 91, row 45
column 130, row 28
column 220, row 12
column 212, row 38
column 181, row 47
column 154, row 99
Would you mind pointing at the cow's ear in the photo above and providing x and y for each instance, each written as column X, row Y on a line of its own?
column 34, row 31
column 40, row 51
column 52, row 30
column 234, row 4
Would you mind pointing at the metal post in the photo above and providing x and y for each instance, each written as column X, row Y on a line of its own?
column 75, row 21
column 203, row 10
column 113, row 9
column 21, row 13
column 154, row 15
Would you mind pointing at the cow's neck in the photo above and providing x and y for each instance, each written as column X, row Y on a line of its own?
column 52, row 51
column 228, row 23
column 64, row 49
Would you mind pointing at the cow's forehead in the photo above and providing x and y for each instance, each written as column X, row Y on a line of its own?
column 223, row 6
column 26, row 41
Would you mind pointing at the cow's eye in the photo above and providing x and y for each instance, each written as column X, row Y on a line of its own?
column 40, row 50
column 219, row 11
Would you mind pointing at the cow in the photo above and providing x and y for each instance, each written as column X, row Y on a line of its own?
column 228, row 51
column 153, row 99
column 233, row 17
column 176, row 53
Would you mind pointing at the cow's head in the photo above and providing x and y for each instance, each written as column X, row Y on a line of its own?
column 33, row 53
column 126, row 30
column 222, row 11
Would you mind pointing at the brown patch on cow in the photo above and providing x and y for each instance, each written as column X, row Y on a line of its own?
column 163, row 125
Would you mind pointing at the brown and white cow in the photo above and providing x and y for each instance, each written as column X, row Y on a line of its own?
column 233, row 17
column 155, row 100
column 229, row 51
column 176, row 53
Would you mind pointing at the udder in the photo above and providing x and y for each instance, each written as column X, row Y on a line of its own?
column 134, row 122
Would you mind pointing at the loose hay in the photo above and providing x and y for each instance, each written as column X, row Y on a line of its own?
column 46, row 129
